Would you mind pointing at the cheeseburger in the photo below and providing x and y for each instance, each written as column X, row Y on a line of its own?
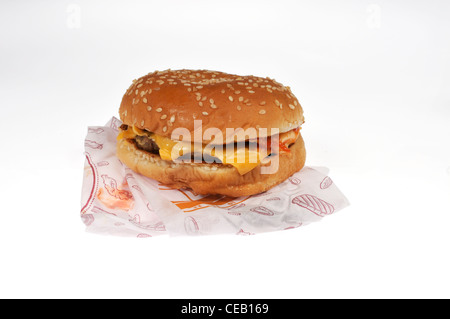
column 211, row 132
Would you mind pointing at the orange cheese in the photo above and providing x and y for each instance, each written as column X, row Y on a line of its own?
column 244, row 159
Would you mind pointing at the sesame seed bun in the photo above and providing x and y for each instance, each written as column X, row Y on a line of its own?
column 162, row 101
column 204, row 178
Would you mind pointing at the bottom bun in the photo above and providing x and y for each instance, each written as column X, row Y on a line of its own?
column 214, row 178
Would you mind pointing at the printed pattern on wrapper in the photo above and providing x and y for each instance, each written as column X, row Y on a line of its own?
column 118, row 201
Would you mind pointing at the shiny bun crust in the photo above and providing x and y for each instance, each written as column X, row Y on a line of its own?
column 211, row 178
column 162, row 101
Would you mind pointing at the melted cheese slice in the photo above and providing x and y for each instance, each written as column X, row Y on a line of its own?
column 244, row 159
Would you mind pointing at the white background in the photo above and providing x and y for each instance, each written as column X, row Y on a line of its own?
column 373, row 78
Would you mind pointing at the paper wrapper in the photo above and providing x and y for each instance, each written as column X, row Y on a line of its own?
column 118, row 201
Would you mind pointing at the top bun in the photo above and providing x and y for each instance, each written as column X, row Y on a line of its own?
column 163, row 101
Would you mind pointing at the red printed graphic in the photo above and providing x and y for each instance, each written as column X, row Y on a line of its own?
column 314, row 204
column 138, row 188
column 142, row 235
column 244, row 233
column 294, row 180
column 115, row 124
column 273, row 198
column 93, row 144
column 91, row 198
column 136, row 220
column 191, row 225
column 158, row 227
column 326, row 183
column 103, row 163
column 99, row 210
column 296, row 226
column 238, row 206
column 114, row 197
column 262, row 211
column 95, row 130
column 87, row 219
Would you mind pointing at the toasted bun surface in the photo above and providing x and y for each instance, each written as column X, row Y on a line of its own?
column 163, row 101
column 205, row 178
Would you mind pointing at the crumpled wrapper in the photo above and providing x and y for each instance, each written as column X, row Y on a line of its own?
column 119, row 201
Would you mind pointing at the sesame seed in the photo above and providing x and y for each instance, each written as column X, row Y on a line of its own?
column 230, row 98
column 295, row 103
column 164, row 128
column 239, row 107
column 262, row 103
column 199, row 87
column 211, row 101
column 136, row 92
column 142, row 123
column 200, row 103
column 241, row 98
column 204, row 98
column 187, row 84
column 139, row 85
column 158, row 109
column 213, row 106
column 189, row 89
column 149, row 108
column 262, row 112
column 237, row 92
column 144, row 100
column 223, row 91
column 172, row 118
column 277, row 102
column 205, row 113
column 199, row 97
column 251, row 92
column 281, row 106
column 163, row 117
column 291, row 106
column 269, row 90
